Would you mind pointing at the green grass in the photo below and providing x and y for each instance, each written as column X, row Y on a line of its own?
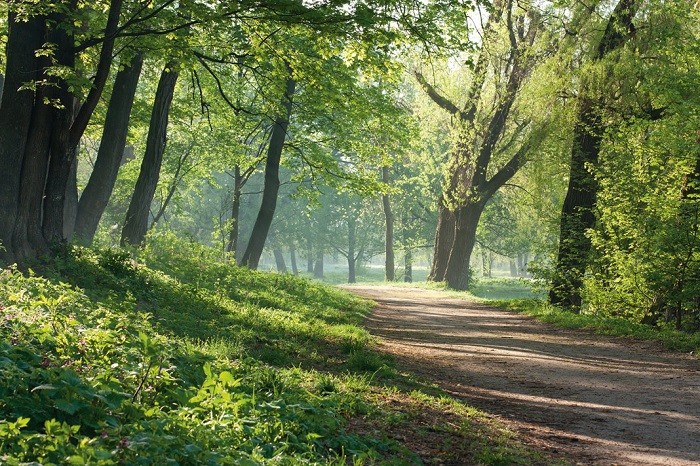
column 178, row 359
column 613, row 326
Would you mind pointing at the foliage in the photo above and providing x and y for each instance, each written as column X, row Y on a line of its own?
column 188, row 360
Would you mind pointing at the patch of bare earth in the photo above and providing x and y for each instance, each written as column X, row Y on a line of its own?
column 594, row 399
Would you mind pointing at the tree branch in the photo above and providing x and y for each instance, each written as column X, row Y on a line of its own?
column 439, row 99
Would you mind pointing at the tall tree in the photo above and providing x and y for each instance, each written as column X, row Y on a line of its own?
column 389, row 271
column 95, row 196
column 136, row 223
column 481, row 135
column 258, row 236
column 39, row 128
column 578, row 214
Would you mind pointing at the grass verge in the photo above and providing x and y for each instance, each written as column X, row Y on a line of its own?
column 614, row 326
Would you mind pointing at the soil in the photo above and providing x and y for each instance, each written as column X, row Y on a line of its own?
column 590, row 398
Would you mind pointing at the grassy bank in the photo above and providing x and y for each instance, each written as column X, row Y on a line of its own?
column 604, row 325
column 178, row 359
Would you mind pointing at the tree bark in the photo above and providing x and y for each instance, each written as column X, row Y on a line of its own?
column 39, row 143
column 68, row 127
column 309, row 255
column 261, row 228
column 279, row 260
column 408, row 266
column 232, row 245
column 389, row 266
column 578, row 215
column 352, row 244
column 98, row 190
column 70, row 209
column 318, row 265
column 136, row 223
column 16, row 109
column 457, row 274
column 293, row 260
column 444, row 238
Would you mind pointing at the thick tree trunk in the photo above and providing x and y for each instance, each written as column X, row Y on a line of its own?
column 38, row 219
column 136, row 223
column 98, row 190
column 389, row 266
column 457, row 275
column 578, row 210
column 513, row 268
column 309, row 255
column 28, row 239
column 16, row 109
column 279, row 260
column 444, row 238
column 258, row 236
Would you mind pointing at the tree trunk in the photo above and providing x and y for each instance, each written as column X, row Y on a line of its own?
column 318, row 265
column 232, row 245
column 279, row 260
column 30, row 131
column 513, row 268
column 293, row 259
column 444, row 238
column 389, row 237
column 352, row 244
column 70, row 210
column 578, row 210
column 408, row 266
column 258, row 236
column 98, row 190
column 16, row 108
column 309, row 255
column 457, row 275
column 136, row 223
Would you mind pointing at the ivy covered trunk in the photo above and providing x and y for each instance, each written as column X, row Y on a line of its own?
column 444, row 238
column 578, row 210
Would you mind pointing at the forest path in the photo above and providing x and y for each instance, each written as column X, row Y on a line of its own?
column 596, row 399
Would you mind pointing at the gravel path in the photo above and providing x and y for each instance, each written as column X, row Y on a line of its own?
column 593, row 399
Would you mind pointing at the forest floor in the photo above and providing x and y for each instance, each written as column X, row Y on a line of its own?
column 588, row 398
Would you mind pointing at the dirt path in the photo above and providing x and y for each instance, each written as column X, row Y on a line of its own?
column 598, row 400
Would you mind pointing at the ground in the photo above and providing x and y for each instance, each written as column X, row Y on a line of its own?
column 589, row 398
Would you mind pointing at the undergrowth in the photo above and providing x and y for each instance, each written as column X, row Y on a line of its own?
column 174, row 358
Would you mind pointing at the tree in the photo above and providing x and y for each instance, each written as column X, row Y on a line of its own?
column 389, row 229
column 98, row 190
column 40, row 128
column 481, row 135
column 252, row 254
column 578, row 214
column 136, row 223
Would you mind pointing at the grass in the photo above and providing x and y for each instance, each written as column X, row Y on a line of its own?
column 614, row 326
column 175, row 358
